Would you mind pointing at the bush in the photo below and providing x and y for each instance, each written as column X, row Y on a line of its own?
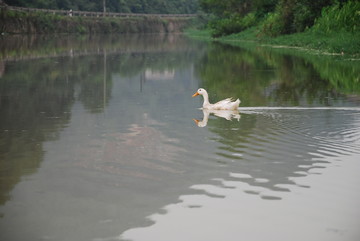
column 337, row 18
column 292, row 16
column 249, row 20
column 272, row 25
column 303, row 18
column 231, row 25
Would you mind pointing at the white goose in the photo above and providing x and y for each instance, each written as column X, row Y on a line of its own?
column 226, row 104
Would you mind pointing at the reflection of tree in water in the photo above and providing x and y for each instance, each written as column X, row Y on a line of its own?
column 36, row 96
column 227, row 71
column 299, row 83
column 257, row 145
column 42, row 46
column 35, row 104
column 261, row 77
column 94, row 82
column 34, row 107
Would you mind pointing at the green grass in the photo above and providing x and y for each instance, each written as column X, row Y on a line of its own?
column 335, row 43
column 204, row 34
column 324, row 43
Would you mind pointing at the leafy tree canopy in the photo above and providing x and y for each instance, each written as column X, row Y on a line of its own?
column 275, row 17
column 125, row 6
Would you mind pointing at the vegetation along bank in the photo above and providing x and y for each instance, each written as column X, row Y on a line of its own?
column 329, row 26
column 22, row 22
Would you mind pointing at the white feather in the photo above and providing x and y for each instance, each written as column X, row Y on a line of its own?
column 226, row 104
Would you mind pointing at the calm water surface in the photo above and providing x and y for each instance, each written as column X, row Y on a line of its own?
column 101, row 140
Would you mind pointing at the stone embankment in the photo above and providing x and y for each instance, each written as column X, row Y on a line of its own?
column 24, row 21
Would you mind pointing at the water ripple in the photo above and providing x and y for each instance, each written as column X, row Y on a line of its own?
column 288, row 142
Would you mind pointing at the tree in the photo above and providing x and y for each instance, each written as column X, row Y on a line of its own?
column 134, row 6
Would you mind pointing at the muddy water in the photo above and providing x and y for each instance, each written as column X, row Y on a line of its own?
column 98, row 142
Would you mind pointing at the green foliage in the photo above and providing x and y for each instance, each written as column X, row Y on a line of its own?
column 13, row 22
column 249, row 20
column 11, row 14
column 125, row 6
column 235, row 15
column 81, row 29
column 339, row 18
column 342, row 42
column 283, row 16
column 292, row 16
column 229, row 8
column 336, row 30
column 233, row 24
column 263, row 7
column 273, row 25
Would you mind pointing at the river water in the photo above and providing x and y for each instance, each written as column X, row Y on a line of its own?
column 101, row 140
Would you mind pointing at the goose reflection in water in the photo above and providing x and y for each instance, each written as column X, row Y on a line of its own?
column 226, row 114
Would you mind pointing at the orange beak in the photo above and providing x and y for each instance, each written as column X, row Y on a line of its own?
column 196, row 94
column 196, row 121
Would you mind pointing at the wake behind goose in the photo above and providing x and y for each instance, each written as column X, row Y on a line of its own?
column 298, row 108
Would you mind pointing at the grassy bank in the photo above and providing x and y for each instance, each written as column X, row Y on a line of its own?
column 323, row 43
column 326, row 43
column 329, row 27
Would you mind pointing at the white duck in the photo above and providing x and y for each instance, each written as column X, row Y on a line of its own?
column 226, row 104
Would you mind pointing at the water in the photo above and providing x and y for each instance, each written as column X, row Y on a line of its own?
column 98, row 142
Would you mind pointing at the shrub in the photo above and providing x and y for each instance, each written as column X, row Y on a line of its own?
column 303, row 18
column 291, row 16
column 339, row 18
column 272, row 25
column 233, row 24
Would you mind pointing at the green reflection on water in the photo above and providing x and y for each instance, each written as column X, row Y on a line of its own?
column 41, row 79
column 34, row 107
column 38, row 92
column 262, row 77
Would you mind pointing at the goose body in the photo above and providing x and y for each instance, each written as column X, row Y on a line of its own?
column 226, row 104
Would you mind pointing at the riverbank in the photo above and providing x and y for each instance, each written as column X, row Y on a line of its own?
column 15, row 22
column 341, row 69
column 344, row 43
